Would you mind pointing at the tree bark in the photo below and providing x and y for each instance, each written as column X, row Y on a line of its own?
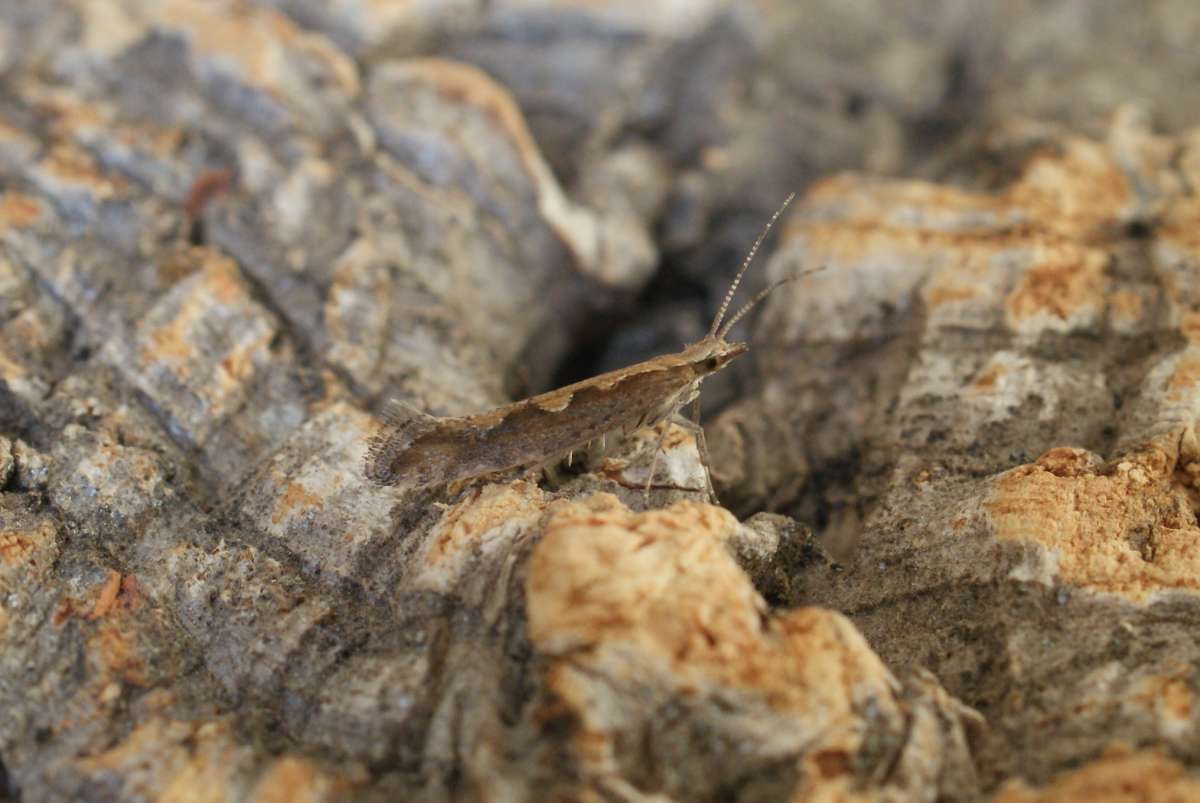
column 962, row 453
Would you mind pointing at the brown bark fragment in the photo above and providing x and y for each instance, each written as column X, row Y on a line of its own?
column 1126, row 529
column 107, row 596
column 1121, row 775
column 632, row 608
column 966, row 552
column 18, row 210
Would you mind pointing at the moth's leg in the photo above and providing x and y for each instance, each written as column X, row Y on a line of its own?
column 553, row 476
column 598, row 448
column 702, row 447
column 658, row 446
column 697, row 431
column 556, row 476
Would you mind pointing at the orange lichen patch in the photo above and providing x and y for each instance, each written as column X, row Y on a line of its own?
column 1184, row 378
column 1178, row 227
column 10, row 133
column 1126, row 306
column 1119, row 776
column 112, row 646
column 856, row 241
column 18, row 546
column 120, row 594
column 238, row 364
column 130, row 598
column 167, row 760
column 1177, row 699
column 10, row 369
column 63, row 611
column 936, row 295
column 68, row 165
column 1122, row 529
column 255, row 40
column 660, row 590
column 295, row 496
column 173, row 343
column 1077, row 190
column 822, row 780
column 71, row 117
column 159, row 141
column 988, row 378
column 958, row 256
column 31, row 328
column 294, row 780
column 14, row 546
column 18, row 210
column 176, row 264
column 1172, row 698
column 1063, row 281
column 222, row 279
column 496, row 515
column 107, row 596
column 942, row 208
column 1189, row 326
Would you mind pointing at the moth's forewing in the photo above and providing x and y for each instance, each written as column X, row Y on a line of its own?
column 403, row 426
column 529, row 432
column 419, row 450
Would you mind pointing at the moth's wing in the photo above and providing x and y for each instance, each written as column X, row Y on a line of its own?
column 402, row 424
column 398, row 414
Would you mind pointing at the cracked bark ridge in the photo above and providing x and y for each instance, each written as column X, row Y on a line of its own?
column 997, row 392
column 201, row 593
column 647, row 626
column 1139, row 775
column 194, row 594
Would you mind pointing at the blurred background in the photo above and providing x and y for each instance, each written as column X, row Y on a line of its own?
column 679, row 126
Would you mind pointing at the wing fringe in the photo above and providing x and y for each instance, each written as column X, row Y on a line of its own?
column 402, row 424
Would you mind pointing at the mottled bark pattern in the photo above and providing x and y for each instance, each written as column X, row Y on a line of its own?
column 231, row 231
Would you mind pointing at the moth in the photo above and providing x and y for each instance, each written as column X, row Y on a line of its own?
column 418, row 449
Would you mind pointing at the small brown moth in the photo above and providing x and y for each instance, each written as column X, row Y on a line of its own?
column 418, row 449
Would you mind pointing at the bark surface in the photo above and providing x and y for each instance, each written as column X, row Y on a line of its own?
column 963, row 455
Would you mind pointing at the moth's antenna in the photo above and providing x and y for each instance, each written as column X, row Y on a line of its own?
column 766, row 291
column 716, row 324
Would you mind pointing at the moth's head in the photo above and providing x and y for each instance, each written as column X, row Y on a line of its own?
column 712, row 354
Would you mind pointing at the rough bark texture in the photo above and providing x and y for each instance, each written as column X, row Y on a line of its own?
column 230, row 231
